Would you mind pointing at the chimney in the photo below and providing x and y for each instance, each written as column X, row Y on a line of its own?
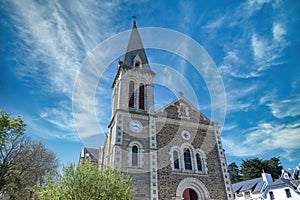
column 267, row 178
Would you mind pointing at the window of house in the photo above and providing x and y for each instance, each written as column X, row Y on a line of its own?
column 176, row 160
column 271, row 195
column 131, row 94
column 135, row 156
column 187, row 159
column 288, row 193
column 142, row 97
column 247, row 194
column 199, row 164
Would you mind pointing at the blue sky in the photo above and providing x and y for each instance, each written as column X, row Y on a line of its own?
column 254, row 45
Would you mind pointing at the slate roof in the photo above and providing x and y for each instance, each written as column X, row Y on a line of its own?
column 135, row 47
column 254, row 185
column 279, row 183
column 93, row 153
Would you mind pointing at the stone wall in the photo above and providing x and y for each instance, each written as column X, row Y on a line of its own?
column 170, row 127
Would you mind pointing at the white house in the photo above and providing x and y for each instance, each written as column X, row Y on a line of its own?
column 265, row 189
column 282, row 189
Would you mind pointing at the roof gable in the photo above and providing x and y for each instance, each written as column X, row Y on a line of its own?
column 182, row 109
column 253, row 185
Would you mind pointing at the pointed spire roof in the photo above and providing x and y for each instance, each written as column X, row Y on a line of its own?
column 135, row 49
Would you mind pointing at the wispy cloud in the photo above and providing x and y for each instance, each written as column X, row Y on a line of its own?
column 239, row 98
column 251, row 51
column 268, row 137
column 54, row 38
column 217, row 23
column 57, row 43
column 281, row 108
column 285, row 108
column 57, row 116
column 266, row 52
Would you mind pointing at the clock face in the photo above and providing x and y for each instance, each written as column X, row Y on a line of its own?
column 136, row 126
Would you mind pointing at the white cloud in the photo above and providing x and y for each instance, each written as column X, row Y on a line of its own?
column 265, row 138
column 217, row 23
column 238, row 98
column 278, row 32
column 251, row 51
column 56, row 50
column 58, row 36
column 286, row 108
column 60, row 116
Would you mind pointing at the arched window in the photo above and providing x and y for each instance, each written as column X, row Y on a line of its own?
column 175, row 160
column 135, row 155
column 187, row 159
column 131, row 94
column 137, row 64
column 142, row 97
column 199, row 164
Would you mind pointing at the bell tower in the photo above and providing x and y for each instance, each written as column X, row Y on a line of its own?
column 131, row 142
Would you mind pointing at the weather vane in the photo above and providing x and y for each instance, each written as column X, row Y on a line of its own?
column 134, row 17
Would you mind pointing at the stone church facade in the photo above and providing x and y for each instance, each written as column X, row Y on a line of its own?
column 172, row 153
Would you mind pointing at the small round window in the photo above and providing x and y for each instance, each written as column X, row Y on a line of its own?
column 185, row 135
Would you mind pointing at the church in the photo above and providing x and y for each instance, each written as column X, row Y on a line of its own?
column 171, row 153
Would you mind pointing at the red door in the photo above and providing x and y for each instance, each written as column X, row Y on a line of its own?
column 189, row 194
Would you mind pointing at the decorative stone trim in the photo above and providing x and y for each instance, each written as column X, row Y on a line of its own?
column 186, row 123
column 175, row 148
column 119, row 129
column 193, row 151
column 183, row 111
column 194, row 184
column 223, row 163
column 185, row 135
column 140, row 154
column 153, row 175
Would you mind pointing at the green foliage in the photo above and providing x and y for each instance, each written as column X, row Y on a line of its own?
column 10, row 130
column 87, row 182
column 234, row 173
column 252, row 168
column 23, row 163
column 11, row 133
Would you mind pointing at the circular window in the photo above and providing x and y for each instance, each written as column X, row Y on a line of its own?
column 185, row 135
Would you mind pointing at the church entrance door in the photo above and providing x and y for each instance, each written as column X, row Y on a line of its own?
column 189, row 194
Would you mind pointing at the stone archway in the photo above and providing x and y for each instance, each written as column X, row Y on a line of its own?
column 189, row 194
column 191, row 189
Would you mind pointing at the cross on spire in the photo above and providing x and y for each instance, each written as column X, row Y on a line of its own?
column 134, row 22
column 180, row 93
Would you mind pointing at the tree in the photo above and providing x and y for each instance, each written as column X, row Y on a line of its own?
column 234, row 173
column 11, row 137
column 87, row 181
column 23, row 162
column 252, row 168
column 273, row 167
column 29, row 168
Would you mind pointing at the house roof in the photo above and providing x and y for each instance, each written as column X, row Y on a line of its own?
column 254, row 185
column 93, row 153
column 280, row 183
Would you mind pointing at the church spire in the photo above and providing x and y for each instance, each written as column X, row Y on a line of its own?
column 135, row 55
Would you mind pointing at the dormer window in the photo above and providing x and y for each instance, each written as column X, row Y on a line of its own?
column 137, row 62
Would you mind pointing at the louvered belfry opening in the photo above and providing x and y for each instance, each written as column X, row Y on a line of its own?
column 131, row 94
column 142, row 97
